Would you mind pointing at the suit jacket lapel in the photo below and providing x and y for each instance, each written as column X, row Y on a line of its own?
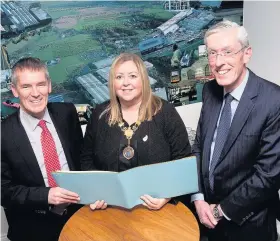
column 26, row 150
column 62, row 130
column 242, row 113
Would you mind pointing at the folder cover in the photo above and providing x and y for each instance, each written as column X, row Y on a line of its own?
column 161, row 180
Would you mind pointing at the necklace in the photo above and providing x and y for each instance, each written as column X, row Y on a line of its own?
column 128, row 151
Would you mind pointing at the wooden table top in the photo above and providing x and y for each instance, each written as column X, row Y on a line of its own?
column 171, row 223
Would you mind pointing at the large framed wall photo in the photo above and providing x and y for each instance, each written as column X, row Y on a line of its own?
column 78, row 41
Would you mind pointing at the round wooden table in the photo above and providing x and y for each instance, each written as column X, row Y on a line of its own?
column 171, row 223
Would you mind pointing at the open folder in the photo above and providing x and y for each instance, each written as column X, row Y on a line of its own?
column 162, row 180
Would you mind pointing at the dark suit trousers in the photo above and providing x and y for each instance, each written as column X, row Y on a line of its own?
column 33, row 226
column 228, row 231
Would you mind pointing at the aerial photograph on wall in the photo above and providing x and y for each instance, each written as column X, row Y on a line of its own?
column 78, row 40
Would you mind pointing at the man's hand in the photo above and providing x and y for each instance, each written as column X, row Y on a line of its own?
column 98, row 205
column 58, row 195
column 154, row 203
column 205, row 215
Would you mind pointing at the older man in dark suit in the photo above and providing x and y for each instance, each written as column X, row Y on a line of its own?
column 237, row 143
column 36, row 140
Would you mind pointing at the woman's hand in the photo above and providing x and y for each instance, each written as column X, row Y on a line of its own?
column 154, row 203
column 98, row 205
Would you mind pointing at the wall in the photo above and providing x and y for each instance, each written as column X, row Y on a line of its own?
column 261, row 19
column 190, row 114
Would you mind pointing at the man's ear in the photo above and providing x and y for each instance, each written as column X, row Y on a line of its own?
column 247, row 55
column 14, row 90
column 50, row 86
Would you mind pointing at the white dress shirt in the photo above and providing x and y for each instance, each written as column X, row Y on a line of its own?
column 33, row 132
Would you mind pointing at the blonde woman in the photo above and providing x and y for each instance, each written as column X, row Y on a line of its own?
column 134, row 128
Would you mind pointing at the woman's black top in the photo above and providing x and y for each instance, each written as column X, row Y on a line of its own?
column 162, row 139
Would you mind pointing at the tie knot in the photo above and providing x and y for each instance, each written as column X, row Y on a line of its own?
column 228, row 98
column 42, row 124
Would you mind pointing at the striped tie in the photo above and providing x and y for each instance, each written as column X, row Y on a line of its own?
column 222, row 133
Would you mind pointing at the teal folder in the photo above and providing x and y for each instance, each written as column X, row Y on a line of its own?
column 161, row 180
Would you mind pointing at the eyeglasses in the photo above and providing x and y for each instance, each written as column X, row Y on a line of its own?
column 212, row 55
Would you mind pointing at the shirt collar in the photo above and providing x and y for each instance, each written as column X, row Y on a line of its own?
column 237, row 92
column 32, row 122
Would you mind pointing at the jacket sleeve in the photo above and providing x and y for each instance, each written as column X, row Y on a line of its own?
column 197, row 146
column 16, row 195
column 176, row 133
column 77, row 138
column 196, row 151
column 264, row 183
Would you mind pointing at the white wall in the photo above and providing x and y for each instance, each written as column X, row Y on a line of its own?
column 261, row 19
column 190, row 114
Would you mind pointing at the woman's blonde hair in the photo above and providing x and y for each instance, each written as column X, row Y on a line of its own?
column 150, row 104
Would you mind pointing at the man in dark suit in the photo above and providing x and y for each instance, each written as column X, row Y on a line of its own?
column 237, row 143
column 36, row 140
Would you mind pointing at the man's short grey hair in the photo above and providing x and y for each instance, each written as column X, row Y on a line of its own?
column 29, row 63
column 225, row 25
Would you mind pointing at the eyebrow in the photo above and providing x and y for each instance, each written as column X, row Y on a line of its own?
column 28, row 84
column 133, row 72
column 226, row 47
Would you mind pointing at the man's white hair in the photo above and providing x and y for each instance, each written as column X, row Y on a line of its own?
column 225, row 25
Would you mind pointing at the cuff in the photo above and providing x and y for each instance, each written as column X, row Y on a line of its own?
column 197, row 196
column 224, row 214
column 173, row 201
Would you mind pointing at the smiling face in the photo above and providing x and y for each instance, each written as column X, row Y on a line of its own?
column 229, row 70
column 128, row 83
column 32, row 88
